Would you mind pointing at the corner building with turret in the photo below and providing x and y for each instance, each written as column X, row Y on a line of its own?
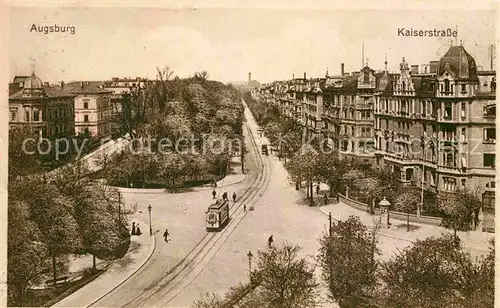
column 432, row 124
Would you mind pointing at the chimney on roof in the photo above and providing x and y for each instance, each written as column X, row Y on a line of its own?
column 433, row 65
column 305, row 76
column 342, row 69
column 46, row 83
column 81, row 84
column 414, row 69
column 293, row 76
column 62, row 84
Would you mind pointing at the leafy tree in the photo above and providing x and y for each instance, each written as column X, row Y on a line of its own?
column 286, row 280
column 172, row 168
column 26, row 252
column 99, row 227
column 302, row 168
column 407, row 201
column 347, row 260
column 390, row 184
column 351, row 179
column 20, row 162
column 371, row 187
column 53, row 213
column 479, row 288
column 460, row 210
column 430, row 273
column 328, row 171
column 208, row 300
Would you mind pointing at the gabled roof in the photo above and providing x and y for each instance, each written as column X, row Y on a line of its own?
column 384, row 82
column 82, row 87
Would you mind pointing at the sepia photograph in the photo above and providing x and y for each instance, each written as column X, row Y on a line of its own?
column 248, row 154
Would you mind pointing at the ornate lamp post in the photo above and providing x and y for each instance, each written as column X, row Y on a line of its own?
column 150, row 227
column 384, row 210
column 250, row 256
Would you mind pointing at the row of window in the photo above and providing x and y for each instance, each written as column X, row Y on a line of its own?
column 101, row 103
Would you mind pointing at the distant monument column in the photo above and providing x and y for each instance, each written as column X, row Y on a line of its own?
column 249, row 77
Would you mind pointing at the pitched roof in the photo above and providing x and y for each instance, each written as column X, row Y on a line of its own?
column 14, row 88
column 18, row 79
column 50, row 92
column 82, row 87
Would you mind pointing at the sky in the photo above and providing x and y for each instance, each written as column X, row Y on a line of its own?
column 273, row 44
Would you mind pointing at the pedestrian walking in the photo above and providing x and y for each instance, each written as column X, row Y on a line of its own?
column 165, row 235
column 214, row 193
column 224, row 196
column 270, row 241
column 234, row 197
column 138, row 230
column 244, row 207
column 317, row 189
column 133, row 229
column 325, row 198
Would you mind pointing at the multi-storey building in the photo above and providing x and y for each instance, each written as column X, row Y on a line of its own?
column 46, row 110
column 92, row 108
column 433, row 126
column 121, row 89
column 436, row 128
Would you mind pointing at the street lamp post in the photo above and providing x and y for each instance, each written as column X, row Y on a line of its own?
column 119, row 212
column 150, row 227
column 250, row 256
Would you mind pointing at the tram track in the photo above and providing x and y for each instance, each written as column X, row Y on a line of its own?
column 174, row 280
column 238, row 216
column 173, row 284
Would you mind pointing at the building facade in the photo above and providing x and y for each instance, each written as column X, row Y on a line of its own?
column 47, row 111
column 121, row 90
column 92, row 108
column 432, row 125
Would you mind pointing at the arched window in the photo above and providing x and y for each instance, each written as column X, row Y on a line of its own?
column 446, row 85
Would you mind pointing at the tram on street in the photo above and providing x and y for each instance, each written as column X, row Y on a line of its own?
column 217, row 215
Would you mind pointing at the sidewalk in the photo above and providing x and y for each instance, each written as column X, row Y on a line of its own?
column 475, row 242
column 140, row 250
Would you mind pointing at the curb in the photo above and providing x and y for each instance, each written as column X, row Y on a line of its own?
column 128, row 277
column 121, row 282
column 162, row 190
column 233, row 183
column 381, row 233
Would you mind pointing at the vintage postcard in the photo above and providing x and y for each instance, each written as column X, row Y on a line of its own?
column 249, row 154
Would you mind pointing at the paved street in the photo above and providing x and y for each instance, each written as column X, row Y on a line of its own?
column 280, row 212
column 184, row 216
